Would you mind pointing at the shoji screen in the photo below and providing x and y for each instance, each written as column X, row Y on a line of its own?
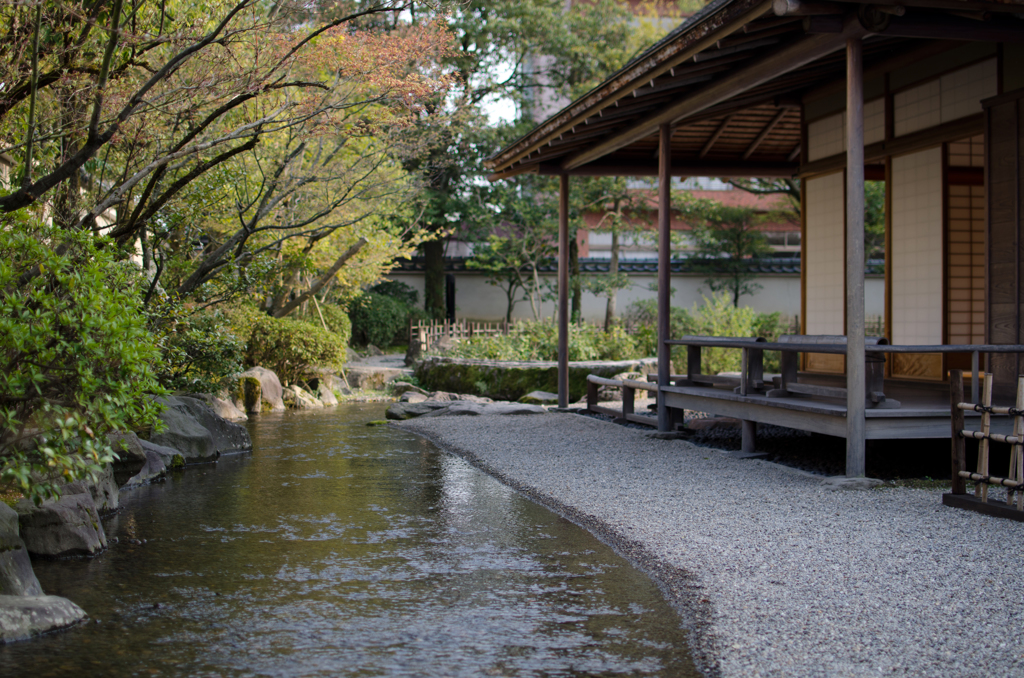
column 825, row 247
column 916, row 260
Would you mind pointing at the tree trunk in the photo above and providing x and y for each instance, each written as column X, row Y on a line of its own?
column 613, row 270
column 433, row 278
column 577, row 288
column 326, row 278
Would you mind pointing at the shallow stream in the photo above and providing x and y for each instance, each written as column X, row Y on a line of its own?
column 337, row 549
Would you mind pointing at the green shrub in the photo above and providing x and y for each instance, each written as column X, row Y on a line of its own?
column 716, row 317
column 78, row 359
column 539, row 341
column 199, row 350
column 338, row 322
column 378, row 319
column 396, row 290
column 290, row 347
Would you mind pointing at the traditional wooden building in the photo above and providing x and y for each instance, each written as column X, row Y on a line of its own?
column 927, row 95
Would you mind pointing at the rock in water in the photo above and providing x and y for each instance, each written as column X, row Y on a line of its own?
column 69, row 526
column 296, row 398
column 185, row 434
column 165, row 454
column 16, row 575
column 222, row 408
column 127, row 447
column 318, row 389
column 270, row 388
column 154, row 468
column 413, row 397
column 249, row 395
column 22, row 617
column 194, row 430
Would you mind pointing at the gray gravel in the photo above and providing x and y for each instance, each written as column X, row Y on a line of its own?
column 775, row 573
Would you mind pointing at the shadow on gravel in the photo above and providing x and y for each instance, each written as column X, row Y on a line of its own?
column 826, row 455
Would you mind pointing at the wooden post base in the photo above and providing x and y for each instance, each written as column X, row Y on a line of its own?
column 989, row 508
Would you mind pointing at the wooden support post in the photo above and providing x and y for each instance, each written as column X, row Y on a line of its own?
column 563, row 292
column 592, row 398
column 664, row 271
column 975, row 379
column 855, row 386
column 981, row 488
column 1016, row 465
column 755, row 369
column 744, row 371
column 628, row 400
column 748, row 443
column 958, row 460
column 692, row 361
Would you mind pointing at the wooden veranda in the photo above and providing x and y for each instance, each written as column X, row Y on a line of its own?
column 832, row 92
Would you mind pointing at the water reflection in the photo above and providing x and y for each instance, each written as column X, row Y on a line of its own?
column 338, row 549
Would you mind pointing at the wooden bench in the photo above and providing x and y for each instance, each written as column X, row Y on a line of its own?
column 787, row 384
column 751, row 379
column 629, row 388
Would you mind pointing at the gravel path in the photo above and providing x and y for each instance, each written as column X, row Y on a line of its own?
column 775, row 573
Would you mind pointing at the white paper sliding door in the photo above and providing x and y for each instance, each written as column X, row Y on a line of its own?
column 825, row 265
column 917, row 260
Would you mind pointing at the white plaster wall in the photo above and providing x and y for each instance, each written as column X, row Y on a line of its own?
column 827, row 136
column 825, row 247
column 917, row 248
column 955, row 95
column 476, row 300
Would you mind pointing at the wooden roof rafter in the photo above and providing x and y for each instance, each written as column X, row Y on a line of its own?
column 759, row 65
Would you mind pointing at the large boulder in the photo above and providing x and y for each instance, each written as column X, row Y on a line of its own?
column 194, row 430
column 16, row 575
column 69, row 526
column 503, row 380
column 295, row 397
column 248, row 396
column 168, row 456
column 372, row 378
column 319, row 389
column 270, row 388
column 222, row 408
column 154, row 468
column 102, row 489
column 22, row 617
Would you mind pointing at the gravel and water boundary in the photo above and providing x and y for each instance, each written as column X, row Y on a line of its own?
column 772, row 571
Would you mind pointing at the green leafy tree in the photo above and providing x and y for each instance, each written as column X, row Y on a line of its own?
column 527, row 54
column 528, row 227
column 728, row 243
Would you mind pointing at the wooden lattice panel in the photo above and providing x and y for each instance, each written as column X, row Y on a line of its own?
column 966, row 274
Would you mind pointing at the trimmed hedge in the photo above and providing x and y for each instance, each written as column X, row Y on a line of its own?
column 290, row 347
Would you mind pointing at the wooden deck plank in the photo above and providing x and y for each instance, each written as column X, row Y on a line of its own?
column 928, row 418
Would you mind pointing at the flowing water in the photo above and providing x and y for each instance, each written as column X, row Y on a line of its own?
column 337, row 549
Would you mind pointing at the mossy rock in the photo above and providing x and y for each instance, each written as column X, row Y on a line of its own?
column 249, row 392
column 177, row 461
column 377, row 422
